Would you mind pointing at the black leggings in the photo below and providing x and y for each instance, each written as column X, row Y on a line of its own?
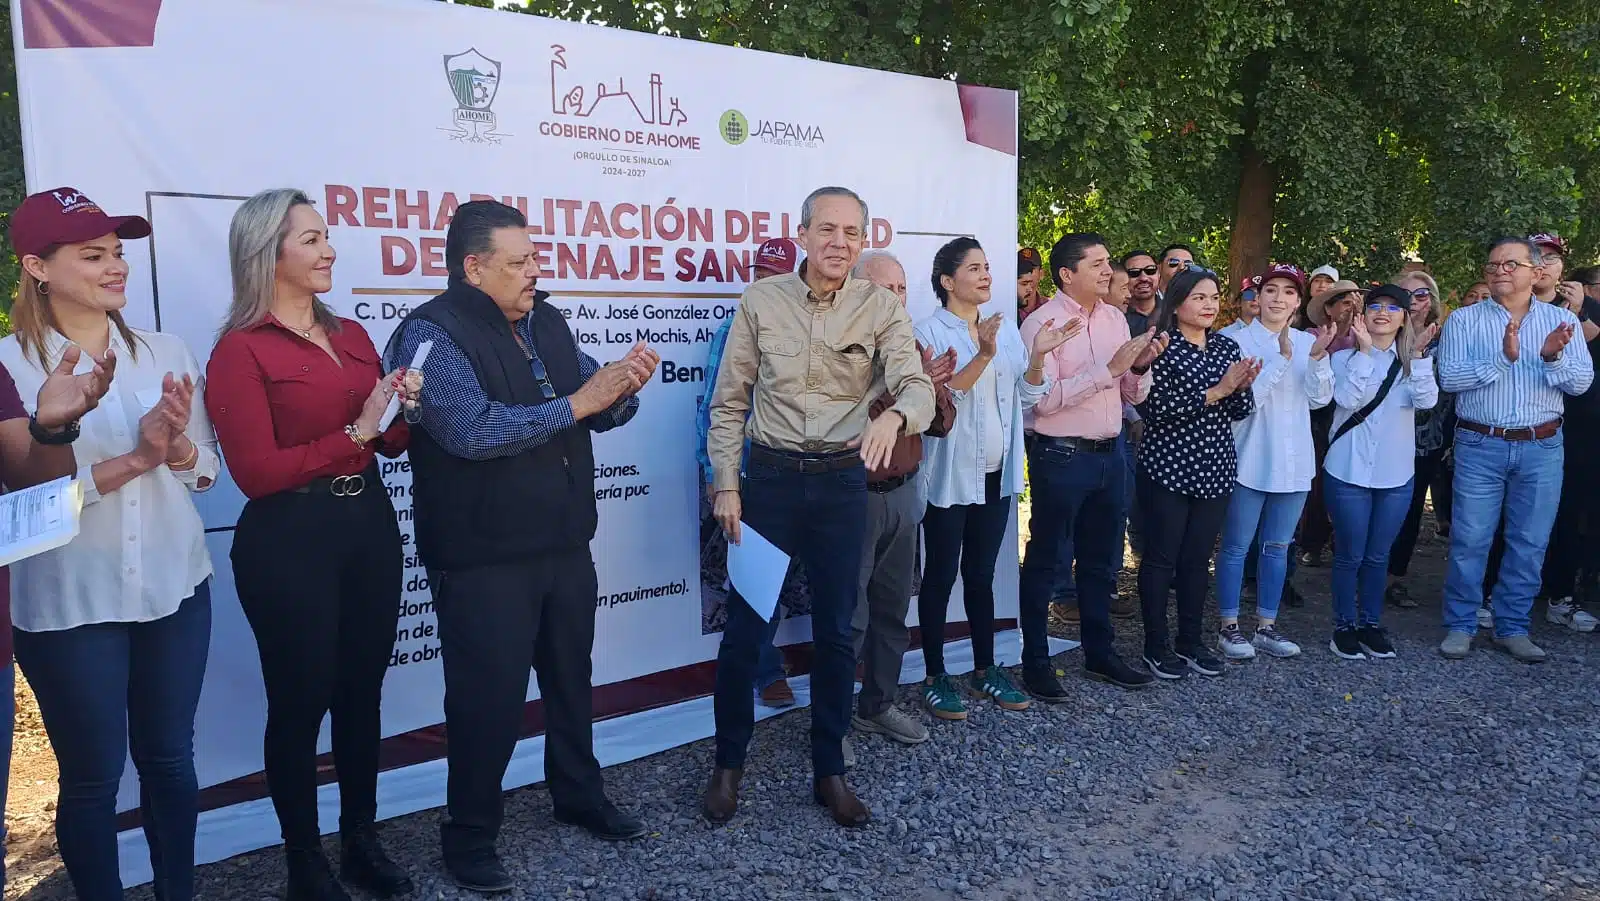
column 1431, row 476
column 1180, row 533
column 319, row 579
column 964, row 538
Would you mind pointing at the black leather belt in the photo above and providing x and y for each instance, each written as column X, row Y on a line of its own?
column 890, row 484
column 1087, row 445
column 798, row 461
column 1525, row 433
column 338, row 486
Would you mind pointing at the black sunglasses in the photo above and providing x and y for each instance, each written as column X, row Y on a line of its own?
column 1176, row 262
column 542, row 377
column 1136, row 271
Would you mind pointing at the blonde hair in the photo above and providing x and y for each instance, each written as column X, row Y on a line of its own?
column 255, row 240
column 32, row 319
column 1435, row 302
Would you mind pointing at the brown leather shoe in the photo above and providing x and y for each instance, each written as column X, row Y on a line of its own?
column 1124, row 607
column 778, row 694
column 832, row 792
column 722, row 795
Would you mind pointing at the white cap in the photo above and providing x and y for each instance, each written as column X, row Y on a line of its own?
column 1329, row 271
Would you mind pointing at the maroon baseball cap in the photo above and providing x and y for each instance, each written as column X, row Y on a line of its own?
column 1285, row 270
column 66, row 216
column 1252, row 283
column 778, row 254
column 1549, row 241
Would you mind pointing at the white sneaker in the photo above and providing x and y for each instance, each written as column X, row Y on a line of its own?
column 1485, row 618
column 1565, row 613
column 1233, row 644
column 1268, row 640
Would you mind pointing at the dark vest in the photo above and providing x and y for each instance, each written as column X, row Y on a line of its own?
column 481, row 512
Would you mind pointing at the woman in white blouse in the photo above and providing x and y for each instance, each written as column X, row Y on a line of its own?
column 972, row 474
column 1276, row 459
column 113, row 629
column 1378, row 387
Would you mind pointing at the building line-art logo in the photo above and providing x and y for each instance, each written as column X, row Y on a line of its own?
column 474, row 80
column 574, row 100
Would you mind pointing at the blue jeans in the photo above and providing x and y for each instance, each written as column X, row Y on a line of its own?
column 1275, row 514
column 107, row 689
column 818, row 518
column 769, row 667
column 1365, row 523
column 1080, row 495
column 1522, row 481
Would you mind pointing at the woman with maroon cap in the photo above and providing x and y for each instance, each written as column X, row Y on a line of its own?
column 113, row 629
column 1276, row 462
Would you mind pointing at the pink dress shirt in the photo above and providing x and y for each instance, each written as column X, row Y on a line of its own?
column 1086, row 401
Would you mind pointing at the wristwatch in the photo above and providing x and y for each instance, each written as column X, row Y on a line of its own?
column 65, row 435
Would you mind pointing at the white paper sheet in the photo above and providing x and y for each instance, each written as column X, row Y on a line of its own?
column 756, row 567
column 39, row 519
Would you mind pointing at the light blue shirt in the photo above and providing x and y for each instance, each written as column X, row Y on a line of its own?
column 1491, row 390
column 954, row 469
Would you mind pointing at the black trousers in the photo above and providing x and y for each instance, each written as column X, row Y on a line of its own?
column 1316, row 529
column 964, row 539
column 495, row 623
column 1580, row 491
column 1431, row 475
column 1180, row 533
column 319, row 580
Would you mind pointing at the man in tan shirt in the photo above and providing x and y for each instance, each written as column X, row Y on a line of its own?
column 800, row 363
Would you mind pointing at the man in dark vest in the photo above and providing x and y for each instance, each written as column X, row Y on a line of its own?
column 504, row 506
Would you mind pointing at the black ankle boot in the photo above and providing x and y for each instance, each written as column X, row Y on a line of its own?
column 311, row 879
column 365, row 866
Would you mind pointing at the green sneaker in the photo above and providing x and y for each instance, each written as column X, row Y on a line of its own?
column 942, row 698
column 994, row 683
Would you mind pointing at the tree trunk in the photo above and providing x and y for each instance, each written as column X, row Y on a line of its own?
column 1250, row 246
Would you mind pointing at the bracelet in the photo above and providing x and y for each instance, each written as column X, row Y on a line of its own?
column 354, row 434
column 188, row 461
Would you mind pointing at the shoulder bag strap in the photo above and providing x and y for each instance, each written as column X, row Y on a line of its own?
column 1360, row 416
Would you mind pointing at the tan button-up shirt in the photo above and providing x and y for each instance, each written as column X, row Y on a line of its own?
column 797, row 373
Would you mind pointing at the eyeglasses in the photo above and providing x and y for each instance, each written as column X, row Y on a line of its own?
column 1136, row 271
column 1507, row 267
column 1247, row 295
column 1386, row 307
column 1421, row 292
column 1177, row 262
column 542, row 377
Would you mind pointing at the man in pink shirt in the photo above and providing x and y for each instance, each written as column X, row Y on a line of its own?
column 1077, row 473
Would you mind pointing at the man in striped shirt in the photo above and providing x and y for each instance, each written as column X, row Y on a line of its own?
column 1511, row 363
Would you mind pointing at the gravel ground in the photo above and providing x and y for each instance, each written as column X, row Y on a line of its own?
column 1311, row 778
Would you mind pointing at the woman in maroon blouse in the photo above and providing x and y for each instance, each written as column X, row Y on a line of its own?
column 296, row 394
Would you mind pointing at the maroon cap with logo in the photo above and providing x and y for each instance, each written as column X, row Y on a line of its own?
column 1251, row 283
column 778, row 254
column 1549, row 241
column 1285, row 270
column 66, row 216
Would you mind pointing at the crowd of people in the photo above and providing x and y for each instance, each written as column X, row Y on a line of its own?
column 835, row 426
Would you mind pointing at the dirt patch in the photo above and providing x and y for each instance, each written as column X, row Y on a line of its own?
column 30, row 800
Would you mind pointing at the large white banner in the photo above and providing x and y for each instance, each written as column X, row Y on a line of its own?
column 649, row 168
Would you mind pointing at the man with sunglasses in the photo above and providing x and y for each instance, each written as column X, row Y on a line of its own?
column 1589, row 278
column 1142, row 276
column 1249, row 308
column 1511, row 364
column 504, row 509
column 1174, row 259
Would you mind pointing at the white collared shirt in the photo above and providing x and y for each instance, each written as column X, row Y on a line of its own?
column 955, row 467
column 141, row 549
column 1274, row 442
column 1381, row 451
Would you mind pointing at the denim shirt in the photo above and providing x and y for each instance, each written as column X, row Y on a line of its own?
column 954, row 469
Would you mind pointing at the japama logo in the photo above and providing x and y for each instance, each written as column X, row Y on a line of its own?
column 735, row 128
column 474, row 80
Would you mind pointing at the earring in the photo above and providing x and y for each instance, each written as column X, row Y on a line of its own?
column 44, row 289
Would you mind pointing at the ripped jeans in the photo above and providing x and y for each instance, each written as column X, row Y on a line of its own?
column 1275, row 514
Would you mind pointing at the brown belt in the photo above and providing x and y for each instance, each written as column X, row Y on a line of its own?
column 1525, row 433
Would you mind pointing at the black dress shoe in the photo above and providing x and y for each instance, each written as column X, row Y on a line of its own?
column 365, row 866
column 311, row 879
column 606, row 821
column 478, row 870
column 1042, row 684
column 721, row 800
column 1120, row 674
column 834, row 793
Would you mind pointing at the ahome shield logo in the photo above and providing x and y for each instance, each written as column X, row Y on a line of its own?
column 474, row 80
column 734, row 127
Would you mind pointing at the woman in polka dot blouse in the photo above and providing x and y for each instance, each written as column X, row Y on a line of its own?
column 1187, row 466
